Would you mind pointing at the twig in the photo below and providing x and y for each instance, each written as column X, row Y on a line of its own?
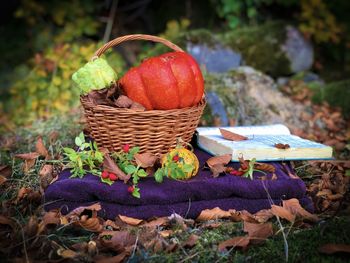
column 189, row 257
column 110, row 21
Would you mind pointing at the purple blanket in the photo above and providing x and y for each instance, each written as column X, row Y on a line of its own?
column 186, row 198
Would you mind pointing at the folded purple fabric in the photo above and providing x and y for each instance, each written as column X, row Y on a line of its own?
column 187, row 198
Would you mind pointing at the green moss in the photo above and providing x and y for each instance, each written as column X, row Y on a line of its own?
column 261, row 47
column 335, row 93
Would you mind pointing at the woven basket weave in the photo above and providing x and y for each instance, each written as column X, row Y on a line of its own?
column 154, row 131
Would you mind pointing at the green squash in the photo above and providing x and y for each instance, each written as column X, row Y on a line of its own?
column 94, row 75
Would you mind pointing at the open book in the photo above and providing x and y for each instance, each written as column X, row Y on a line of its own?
column 261, row 144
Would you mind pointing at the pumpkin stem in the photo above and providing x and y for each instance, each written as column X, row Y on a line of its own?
column 180, row 143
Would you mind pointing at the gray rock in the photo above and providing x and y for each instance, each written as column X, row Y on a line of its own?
column 298, row 50
column 216, row 58
column 250, row 97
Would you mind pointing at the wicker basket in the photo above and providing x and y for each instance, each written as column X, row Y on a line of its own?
column 154, row 131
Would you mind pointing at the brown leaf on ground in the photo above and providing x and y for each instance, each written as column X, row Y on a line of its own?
column 2, row 179
column 231, row 136
column 79, row 210
column 46, row 175
column 236, row 242
column 282, row 212
column 191, row 241
column 222, row 159
column 295, row 208
column 137, row 106
column 130, row 220
column 110, row 166
column 145, row 160
column 161, row 221
column 53, row 136
column 334, row 248
column 281, row 146
column 263, row 216
column 67, row 253
column 92, row 224
column 258, row 233
column 115, row 259
column 123, row 102
column 166, row 233
column 52, row 218
column 212, row 214
column 27, row 156
column 5, row 171
column 217, row 169
column 119, row 241
column 109, row 224
column 40, row 148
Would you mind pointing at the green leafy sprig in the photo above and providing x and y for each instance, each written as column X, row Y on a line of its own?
column 87, row 158
column 126, row 161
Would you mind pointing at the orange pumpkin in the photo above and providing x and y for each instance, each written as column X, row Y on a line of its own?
column 169, row 81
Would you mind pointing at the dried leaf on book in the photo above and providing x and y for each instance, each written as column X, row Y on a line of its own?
column 228, row 135
column 281, row 146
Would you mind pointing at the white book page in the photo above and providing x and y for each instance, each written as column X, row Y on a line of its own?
column 275, row 129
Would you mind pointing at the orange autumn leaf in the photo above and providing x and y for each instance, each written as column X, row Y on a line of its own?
column 221, row 159
column 130, row 220
column 211, row 214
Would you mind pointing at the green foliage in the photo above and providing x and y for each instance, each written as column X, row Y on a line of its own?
column 126, row 162
column 58, row 21
column 43, row 86
column 261, row 47
column 318, row 22
column 86, row 159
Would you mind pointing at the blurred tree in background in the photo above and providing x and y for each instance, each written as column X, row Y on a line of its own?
column 46, row 41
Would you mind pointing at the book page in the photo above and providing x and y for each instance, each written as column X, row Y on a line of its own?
column 275, row 129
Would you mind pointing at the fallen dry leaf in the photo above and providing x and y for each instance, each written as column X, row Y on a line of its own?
column 27, row 156
column 52, row 218
column 228, row 135
column 217, row 169
column 240, row 242
column 282, row 212
column 166, row 233
column 161, row 221
column 145, row 160
column 79, row 210
column 2, row 179
column 295, row 208
column 53, row 136
column 40, row 148
column 130, row 220
column 263, row 216
column 212, row 214
column 5, row 171
column 110, row 166
column 334, row 248
column 123, row 102
column 222, row 159
column 191, row 241
column 67, row 253
column 281, row 146
column 115, row 259
column 92, row 224
column 119, row 241
column 258, row 233
column 265, row 167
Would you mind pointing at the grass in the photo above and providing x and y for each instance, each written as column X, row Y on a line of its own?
column 303, row 243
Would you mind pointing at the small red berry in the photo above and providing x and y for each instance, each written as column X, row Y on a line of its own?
column 176, row 158
column 236, row 172
column 126, row 148
column 113, row 177
column 131, row 189
column 105, row 174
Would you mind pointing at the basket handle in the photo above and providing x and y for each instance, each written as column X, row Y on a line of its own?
column 119, row 40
